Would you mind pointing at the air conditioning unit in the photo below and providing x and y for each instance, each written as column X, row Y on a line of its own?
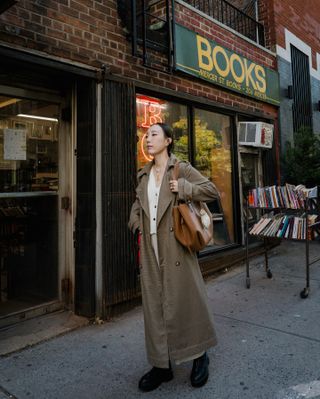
column 256, row 134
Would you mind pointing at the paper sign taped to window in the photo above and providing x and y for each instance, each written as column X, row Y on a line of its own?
column 15, row 144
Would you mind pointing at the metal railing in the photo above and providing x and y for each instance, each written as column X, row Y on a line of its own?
column 231, row 16
column 152, row 31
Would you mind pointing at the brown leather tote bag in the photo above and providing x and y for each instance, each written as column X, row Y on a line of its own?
column 192, row 221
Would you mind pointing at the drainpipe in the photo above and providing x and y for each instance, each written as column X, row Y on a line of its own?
column 99, row 272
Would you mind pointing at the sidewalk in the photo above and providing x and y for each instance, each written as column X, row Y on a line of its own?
column 269, row 345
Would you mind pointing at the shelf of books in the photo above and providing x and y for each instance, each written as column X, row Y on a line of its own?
column 28, row 246
column 288, row 212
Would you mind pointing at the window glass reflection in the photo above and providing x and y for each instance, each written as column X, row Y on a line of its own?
column 213, row 159
column 28, row 145
column 151, row 110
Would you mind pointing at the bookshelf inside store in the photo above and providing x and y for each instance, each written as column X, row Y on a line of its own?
column 286, row 212
column 28, row 250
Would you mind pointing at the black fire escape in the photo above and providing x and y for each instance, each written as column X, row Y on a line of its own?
column 149, row 26
column 242, row 20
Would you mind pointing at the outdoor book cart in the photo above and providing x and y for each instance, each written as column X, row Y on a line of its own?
column 308, row 231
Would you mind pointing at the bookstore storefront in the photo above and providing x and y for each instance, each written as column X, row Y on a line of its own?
column 229, row 89
column 207, row 134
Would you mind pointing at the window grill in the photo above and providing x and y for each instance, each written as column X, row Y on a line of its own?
column 231, row 16
column 148, row 25
column 301, row 106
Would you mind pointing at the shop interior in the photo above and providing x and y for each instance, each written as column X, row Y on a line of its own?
column 29, row 184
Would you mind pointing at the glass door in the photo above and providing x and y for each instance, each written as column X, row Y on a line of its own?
column 251, row 177
column 29, row 186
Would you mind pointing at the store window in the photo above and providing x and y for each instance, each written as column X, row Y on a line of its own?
column 211, row 152
column 151, row 110
column 28, row 203
column 213, row 159
column 28, row 145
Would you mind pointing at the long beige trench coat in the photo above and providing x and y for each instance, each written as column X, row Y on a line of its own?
column 176, row 317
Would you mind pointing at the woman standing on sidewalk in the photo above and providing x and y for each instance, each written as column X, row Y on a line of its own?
column 177, row 322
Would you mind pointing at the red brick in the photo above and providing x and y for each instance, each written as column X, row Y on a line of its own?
column 57, row 34
column 88, row 19
column 46, row 40
column 56, row 25
column 36, row 18
column 75, row 40
column 79, row 7
column 48, row 23
column 69, row 11
column 34, row 27
column 9, row 38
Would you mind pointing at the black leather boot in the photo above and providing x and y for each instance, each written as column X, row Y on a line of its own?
column 154, row 378
column 200, row 371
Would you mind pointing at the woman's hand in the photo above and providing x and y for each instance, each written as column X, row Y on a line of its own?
column 173, row 184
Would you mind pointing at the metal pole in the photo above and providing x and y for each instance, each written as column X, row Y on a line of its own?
column 173, row 35
column 247, row 246
column 257, row 19
column 144, row 32
column 307, row 247
column 134, row 27
column 265, row 255
column 169, row 39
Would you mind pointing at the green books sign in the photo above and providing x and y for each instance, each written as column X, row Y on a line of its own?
column 207, row 60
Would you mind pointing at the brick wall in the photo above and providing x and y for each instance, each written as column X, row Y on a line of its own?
column 302, row 18
column 266, row 17
column 90, row 32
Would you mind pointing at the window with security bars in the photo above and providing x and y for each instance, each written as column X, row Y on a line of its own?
column 301, row 106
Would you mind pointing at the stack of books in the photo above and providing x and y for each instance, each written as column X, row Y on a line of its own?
column 12, row 211
column 286, row 226
column 287, row 196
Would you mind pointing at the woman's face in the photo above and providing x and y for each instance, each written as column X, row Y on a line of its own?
column 157, row 142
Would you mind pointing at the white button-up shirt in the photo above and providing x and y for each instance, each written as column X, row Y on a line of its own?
column 153, row 198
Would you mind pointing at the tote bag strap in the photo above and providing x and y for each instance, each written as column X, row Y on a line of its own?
column 175, row 176
column 175, row 171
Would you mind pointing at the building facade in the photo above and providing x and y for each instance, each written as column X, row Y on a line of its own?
column 294, row 31
column 80, row 83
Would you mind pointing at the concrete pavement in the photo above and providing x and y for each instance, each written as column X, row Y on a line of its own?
column 269, row 345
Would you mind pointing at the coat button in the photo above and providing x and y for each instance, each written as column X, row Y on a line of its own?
column 171, row 228
column 178, row 263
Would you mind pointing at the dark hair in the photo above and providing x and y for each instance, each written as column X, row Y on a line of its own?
column 168, row 133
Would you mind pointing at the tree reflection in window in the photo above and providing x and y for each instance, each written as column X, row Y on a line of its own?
column 213, row 159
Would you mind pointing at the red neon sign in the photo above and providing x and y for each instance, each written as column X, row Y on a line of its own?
column 147, row 157
column 150, row 112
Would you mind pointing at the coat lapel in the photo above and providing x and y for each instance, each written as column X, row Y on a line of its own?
column 142, row 189
column 165, row 195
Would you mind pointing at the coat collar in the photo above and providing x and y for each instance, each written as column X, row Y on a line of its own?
column 165, row 195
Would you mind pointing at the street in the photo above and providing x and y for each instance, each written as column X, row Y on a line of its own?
column 269, row 344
